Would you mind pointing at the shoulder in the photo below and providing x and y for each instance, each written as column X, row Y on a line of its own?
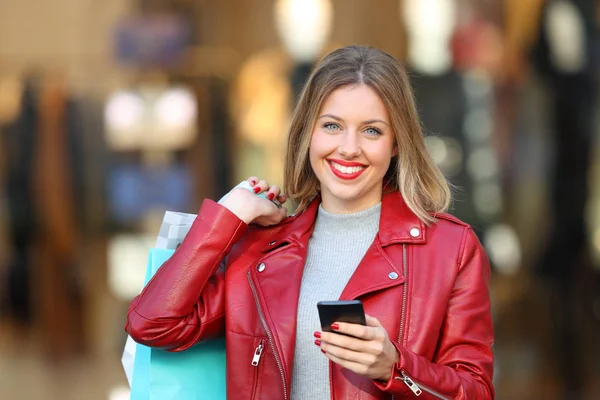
column 441, row 217
column 450, row 233
column 290, row 229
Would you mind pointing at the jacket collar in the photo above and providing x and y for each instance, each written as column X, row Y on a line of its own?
column 398, row 224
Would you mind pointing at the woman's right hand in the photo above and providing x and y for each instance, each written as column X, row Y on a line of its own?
column 254, row 209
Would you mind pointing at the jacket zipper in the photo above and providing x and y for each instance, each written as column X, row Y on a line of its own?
column 418, row 388
column 257, row 354
column 262, row 320
column 255, row 362
column 404, row 294
column 404, row 297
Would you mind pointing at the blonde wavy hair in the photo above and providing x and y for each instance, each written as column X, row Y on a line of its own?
column 412, row 172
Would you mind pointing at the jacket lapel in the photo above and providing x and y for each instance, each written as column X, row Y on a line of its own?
column 277, row 276
column 382, row 266
column 376, row 271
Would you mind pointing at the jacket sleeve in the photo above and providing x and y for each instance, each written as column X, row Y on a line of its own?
column 462, row 367
column 184, row 302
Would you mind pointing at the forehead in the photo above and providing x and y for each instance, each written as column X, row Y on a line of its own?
column 355, row 102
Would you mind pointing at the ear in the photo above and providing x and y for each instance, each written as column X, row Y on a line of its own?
column 395, row 151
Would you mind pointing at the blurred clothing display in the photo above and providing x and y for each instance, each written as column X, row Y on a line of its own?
column 44, row 191
column 21, row 223
column 559, row 37
column 566, row 258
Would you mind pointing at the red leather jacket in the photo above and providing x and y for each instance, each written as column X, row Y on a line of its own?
column 428, row 286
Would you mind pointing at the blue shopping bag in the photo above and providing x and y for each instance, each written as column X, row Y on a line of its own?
column 197, row 373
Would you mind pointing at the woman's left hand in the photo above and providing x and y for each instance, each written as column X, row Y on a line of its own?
column 368, row 350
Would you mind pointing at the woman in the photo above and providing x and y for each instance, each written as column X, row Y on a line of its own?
column 369, row 225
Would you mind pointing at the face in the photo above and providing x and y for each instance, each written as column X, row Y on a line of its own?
column 351, row 148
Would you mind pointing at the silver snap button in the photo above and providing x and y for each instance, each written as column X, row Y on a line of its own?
column 261, row 267
column 273, row 242
column 393, row 275
column 415, row 232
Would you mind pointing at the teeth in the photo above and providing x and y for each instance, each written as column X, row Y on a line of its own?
column 347, row 170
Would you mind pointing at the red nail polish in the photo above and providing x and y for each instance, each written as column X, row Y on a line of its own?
column 318, row 342
column 271, row 196
column 318, row 335
column 253, row 182
column 257, row 189
column 335, row 327
column 323, row 351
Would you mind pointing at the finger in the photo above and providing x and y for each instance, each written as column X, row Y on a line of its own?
column 261, row 186
column 350, row 365
column 283, row 213
column 273, row 192
column 282, row 198
column 359, row 331
column 348, row 355
column 344, row 341
column 273, row 219
column 280, row 216
column 372, row 321
column 252, row 180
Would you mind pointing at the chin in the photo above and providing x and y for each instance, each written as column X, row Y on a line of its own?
column 345, row 194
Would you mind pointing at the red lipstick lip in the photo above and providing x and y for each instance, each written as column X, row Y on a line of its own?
column 347, row 177
column 346, row 163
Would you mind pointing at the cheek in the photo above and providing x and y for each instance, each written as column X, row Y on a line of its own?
column 314, row 151
column 320, row 145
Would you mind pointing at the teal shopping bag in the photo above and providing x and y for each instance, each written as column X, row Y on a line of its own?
column 197, row 373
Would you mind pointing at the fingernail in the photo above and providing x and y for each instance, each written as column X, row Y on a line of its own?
column 323, row 351
column 252, row 182
column 270, row 196
column 257, row 189
column 318, row 335
column 335, row 327
column 318, row 342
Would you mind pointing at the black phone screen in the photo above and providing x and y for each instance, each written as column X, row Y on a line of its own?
column 350, row 311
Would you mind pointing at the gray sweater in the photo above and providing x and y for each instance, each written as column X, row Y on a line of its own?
column 336, row 247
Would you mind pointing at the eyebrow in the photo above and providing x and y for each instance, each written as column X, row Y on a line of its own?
column 370, row 121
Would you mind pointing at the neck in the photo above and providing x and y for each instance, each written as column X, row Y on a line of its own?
column 335, row 205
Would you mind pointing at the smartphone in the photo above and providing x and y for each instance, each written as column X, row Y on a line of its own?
column 350, row 311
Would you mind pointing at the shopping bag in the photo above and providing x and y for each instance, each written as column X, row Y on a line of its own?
column 197, row 373
column 174, row 227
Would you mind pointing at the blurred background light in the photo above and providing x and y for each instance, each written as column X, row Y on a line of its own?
column 566, row 37
column 446, row 152
column 119, row 393
column 478, row 125
column 429, row 25
column 124, row 112
column 11, row 90
column 487, row 198
column 504, row 249
column 437, row 149
column 482, row 164
column 127, row 256
column 304, row 27
column 154, row 117
column 176, row 109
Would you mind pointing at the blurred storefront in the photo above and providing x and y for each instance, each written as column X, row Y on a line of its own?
column 113, row 112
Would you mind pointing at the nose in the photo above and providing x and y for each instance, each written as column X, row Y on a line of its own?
column 350, row 145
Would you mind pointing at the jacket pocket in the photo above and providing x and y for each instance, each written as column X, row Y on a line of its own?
column 259, row 347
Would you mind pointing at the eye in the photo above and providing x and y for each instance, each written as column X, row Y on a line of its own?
column 371, row 131
column 331, row 126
